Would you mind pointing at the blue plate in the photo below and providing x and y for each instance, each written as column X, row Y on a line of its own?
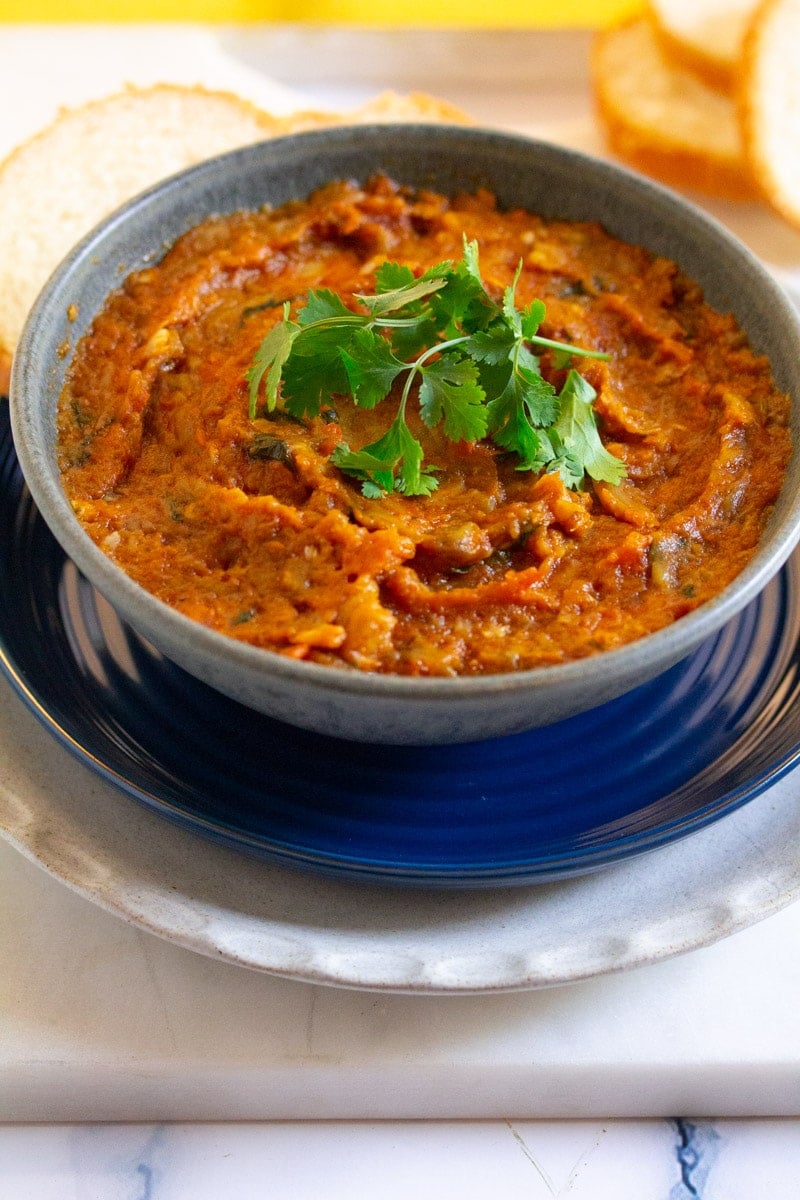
column 626, row 777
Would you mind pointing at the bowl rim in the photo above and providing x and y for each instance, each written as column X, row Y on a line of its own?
column 674, row 640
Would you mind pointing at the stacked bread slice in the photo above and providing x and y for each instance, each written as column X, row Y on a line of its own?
column 705, row 36
column 770, row 105
column 705, row 95
column 55, row 187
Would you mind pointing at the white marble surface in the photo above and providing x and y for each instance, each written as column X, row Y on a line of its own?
column 91, row 1006
column 582, row 1160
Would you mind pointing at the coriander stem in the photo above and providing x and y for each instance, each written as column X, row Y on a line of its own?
column 394, row 322
column 332, row 322
column 566, row 348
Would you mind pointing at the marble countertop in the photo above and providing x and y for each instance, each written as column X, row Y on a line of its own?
column 92, row 1010
column 582, row 1160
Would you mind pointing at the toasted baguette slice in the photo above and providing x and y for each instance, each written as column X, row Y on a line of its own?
column 665, row 121
column 56, row 186
column 770, row 103
column 704, row 36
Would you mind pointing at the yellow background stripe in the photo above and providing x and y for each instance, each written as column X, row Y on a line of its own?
column 505, row 14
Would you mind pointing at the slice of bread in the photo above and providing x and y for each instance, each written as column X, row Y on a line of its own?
column 664, row 120
column 60, row 183
column 770, row 103
column 704, row 36
column 387, row 107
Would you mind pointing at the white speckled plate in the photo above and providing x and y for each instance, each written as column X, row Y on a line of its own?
column 239, row 908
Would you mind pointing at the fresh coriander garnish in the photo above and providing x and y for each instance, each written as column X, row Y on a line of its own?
column 468, row 360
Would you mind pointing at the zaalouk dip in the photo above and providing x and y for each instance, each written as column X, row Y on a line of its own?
column 247, row 527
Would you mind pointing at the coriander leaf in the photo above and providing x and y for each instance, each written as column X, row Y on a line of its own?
column 527, row 360
column 321, row 305
column 538, row 396
column 269, row 360
column 472, row 259
column 464, row 304
column 397, row 298
column 494, row 378
column 510, row 310
column 438, row 269
column 412, row 481
column 371, row 490
column 409, row 338
column 532, row 318
column 371, row 367
column 577, row 428
column 450, row 391
column 461, row 304
column 373, row 469
column 519, row 416
column 391, row 275
column 409, row 341
column 494, row 345
column 547, row 452
column 392, row 463
column 315, row 370
column 510, row 426
column 565, row 462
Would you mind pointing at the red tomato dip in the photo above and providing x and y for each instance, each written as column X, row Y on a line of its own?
column 247, row 527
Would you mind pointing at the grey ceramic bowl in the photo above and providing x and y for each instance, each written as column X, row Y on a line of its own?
column 540, row 177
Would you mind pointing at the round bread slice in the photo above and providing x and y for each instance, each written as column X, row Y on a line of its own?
column 663, row 120
column 704, row 36
column 91, row 159
column 770, row 103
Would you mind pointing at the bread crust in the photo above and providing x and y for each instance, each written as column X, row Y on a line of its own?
column 5, row 371
column 716, row 72
column 768, row 92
